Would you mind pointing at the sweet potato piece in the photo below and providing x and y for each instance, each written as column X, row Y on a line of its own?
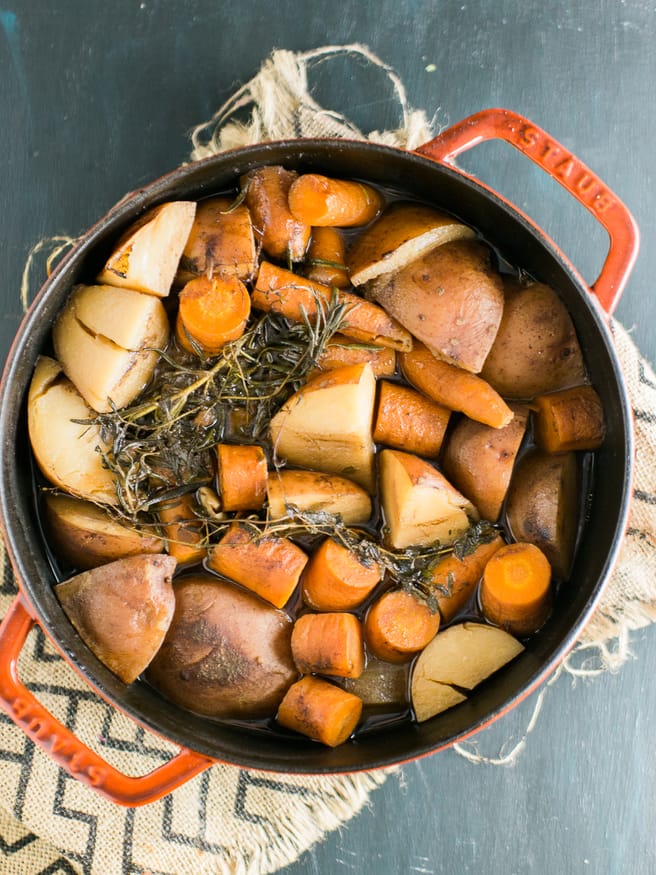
column 409, row 421
column 536, row 349
column 326, row 425
column 122, row 610
column 479, row 460
column 221, row 242
column 227, row 653
column 543, row 506
column 454, row 388
column 269, row 566
column 314, row 492
column 298, row 298
column 572, row 419
column 283, row 235
column 405, row 232
column 451, row 299
column 85, row 535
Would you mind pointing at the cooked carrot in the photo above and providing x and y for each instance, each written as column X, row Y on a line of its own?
column 329, row 643
column 572, row 419
column 326, row 258
column 221, row 241
column 211, row 313
column 454, row 387
column 296, row 298
column 183, row 529
column 320, row 710
column 242, row 475
column 321, row 200
column 336, row 579
column 398, row 625
column 454, row 580
column 270, row 567
column 343, row 351
column 409, row 421
column 283, row 236
column 516, row 588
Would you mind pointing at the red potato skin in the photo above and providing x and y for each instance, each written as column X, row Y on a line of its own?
column 227, row 653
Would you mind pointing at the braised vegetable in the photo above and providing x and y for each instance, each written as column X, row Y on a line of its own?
column 336, row 579
column 572, row 419
column 266, row 194
column 226, row 654
column 454, row 388
column 329, row 643
column 211, row 313
column 315, row 492
column 242, row 475
column 326, row 258
column 342, row 351
column 321, row 200
column 320, row 710
column 398, row 625
column 122, row 610
column 516, row 588
column 407, row 420
column 183, row 528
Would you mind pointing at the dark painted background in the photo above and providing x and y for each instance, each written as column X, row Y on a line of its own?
column 97, row 98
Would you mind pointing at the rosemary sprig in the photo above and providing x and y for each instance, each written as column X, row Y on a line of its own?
column 165, row 440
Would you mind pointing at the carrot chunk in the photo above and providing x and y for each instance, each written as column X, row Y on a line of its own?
column 321, row 200
column 320, row 710
column 454, row 387
column 326, row 257
column 409, row 421
column 572, row 419
column 398, row 625
column 270, row 567
column 516, row 588
column 211, row 313
column 242, row 474
column 298, row 298
column 454, row 580
column 328, row 643
column 183, row 529
column 336, row 580
column 283, row 236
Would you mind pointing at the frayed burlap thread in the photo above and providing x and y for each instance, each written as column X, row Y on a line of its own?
column 229, row 821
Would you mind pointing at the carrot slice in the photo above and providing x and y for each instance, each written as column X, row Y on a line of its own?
column 211, row 313
column 283, row 236
column 320, row 200
column 398, row 625
column 183, row 529
column 572, row 419
column 242, row 473
column 329, row 643
column 298, row 298
column 326, row 257
column 270, row 567
column 454, row 387
column 409, row 421
column 454, row 580
column 320, row 710
column 336, row 580
column 516, row 588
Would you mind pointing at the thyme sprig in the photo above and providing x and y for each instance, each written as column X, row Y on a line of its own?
column 162, row 445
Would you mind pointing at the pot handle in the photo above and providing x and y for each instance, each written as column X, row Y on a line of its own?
column 63, row 746
column 566, row 169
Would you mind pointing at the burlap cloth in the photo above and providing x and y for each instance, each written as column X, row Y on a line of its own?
column 229, row 820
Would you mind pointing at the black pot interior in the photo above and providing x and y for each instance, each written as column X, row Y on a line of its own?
column 522, row 245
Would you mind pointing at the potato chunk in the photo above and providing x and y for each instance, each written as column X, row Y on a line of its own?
column 147, row 255
column 420, row 506
column 458, row 659
column 122, row 610
column 327, row 425
column 66, row 447
column 314, row 492
column 107, row 340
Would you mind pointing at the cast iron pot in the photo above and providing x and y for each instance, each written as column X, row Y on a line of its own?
column 430, row 174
